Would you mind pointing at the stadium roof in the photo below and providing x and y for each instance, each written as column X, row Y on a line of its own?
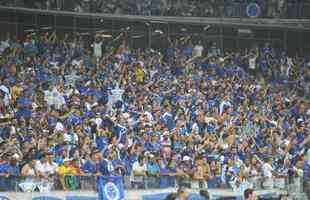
column 294, row 24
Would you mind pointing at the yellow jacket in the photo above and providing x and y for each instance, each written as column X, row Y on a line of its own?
column 63, row 170
column 140, row 74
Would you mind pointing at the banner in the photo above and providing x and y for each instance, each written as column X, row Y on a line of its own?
column 253, row 10
column 111, row 188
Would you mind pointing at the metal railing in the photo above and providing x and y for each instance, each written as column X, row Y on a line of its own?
column 184, row 8
column 89, row 183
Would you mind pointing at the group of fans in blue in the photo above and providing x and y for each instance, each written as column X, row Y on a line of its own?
column 190, row 114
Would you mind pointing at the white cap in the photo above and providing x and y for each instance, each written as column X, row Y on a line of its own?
column 67, row 160
column 186, row 158
column 300, row 120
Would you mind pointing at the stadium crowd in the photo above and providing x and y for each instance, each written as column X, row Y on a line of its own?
column 190, row 114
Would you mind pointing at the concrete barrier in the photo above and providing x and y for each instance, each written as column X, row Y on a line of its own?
column 129, row 194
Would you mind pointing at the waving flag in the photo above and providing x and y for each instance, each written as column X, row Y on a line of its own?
column 111, row 188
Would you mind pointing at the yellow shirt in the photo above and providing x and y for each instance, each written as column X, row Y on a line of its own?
column 63, row 170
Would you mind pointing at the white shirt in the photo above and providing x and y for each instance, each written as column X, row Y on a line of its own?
column 198, row 49
column 267, row 170
column 149, row 116
column 71, row 79
column 46, row 168
column 97, row 49
column 224, row 103
column 129, row 141
column 195, row 127
column 138, row 168
column 98, row 121
column 290, row 62
column 77, row 62
column 71, row 138
column 4, row 45
column 116, row 95
column 54, row 98
column 152, row 73
column 7, row 94
column 252, row 63
column 54, row 64
column 59, row 127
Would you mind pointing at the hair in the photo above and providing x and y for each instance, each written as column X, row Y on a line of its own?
column 171, row 196
column 140, row 158
column 204, row 193
column 248, row 192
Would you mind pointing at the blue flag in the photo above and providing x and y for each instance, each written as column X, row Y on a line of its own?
column 111, row 188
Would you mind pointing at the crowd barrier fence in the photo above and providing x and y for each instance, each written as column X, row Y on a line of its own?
column 89, row 183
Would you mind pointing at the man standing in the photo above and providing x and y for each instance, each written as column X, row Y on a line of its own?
column 97, row 49
column 138, row 173
column 268, row 174
column 198, row 49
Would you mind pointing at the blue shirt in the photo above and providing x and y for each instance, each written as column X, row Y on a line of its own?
column 264, row 65
column 4, row 168
column 14, row 170
column 152, row 168
column 306, row 170
column 167, row 120
column 103, row 168
column 90, row 167
column 101, row 142
column 118, row 131
column 167, row 181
